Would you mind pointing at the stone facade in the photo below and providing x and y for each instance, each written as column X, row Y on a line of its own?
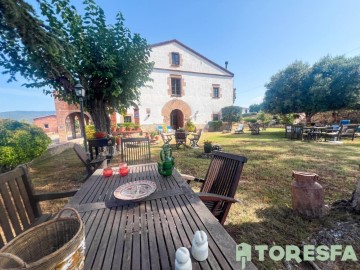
column 47, row 123
column 197, row 100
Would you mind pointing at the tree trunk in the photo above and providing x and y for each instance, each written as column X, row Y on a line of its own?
column 99, row 115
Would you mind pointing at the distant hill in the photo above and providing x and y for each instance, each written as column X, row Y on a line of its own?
column 27, row 116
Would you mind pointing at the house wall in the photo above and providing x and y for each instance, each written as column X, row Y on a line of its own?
column 50, row 120
column 198, row 77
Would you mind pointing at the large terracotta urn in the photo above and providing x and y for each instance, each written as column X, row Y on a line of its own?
column 307, row 195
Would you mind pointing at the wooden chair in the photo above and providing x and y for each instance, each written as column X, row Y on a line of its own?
column 195, row 139
column 220, row 183
column 166, row 138
column 135, row 150
column 335, row 135
column 255, row 129
column 180, row 138
column 90, row 165
column 348, row 131
column 239, row 129
column 19, row 206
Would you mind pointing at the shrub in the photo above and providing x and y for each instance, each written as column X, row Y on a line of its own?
column 250, row 120
column 190, row 126
column 90, row 131
column 20, row 143
column 215, row 124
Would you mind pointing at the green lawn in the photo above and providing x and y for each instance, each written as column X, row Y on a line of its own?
column 264, row 215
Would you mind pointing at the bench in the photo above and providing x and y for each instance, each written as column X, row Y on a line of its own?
column 19, row 205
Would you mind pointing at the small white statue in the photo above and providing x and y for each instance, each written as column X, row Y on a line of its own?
column 199, row 248
column 182, row 259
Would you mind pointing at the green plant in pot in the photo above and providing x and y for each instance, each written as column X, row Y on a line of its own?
column 153, row 134
column 207, row 147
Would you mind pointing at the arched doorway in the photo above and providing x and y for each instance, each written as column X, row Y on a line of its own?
column 176, row 119
column 73, row 125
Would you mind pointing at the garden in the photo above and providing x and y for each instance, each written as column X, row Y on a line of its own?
column 264, row 214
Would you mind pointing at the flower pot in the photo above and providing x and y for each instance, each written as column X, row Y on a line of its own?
column 100, row 135
column 207, row 148
column 121, row 129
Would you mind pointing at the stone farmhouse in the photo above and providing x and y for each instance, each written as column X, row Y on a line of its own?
column 185, row 86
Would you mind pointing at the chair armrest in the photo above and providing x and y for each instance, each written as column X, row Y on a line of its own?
column 97, row 161
column 204, row 196
column 189, row 178
column 54, row 195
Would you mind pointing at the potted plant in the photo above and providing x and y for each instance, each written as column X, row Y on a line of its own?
column 207, row 147
column 137, row 127
column 120, row 127
column 100, row 134
column 153, row 134
column 189, row 126
column 113, row 128
column 180, row 129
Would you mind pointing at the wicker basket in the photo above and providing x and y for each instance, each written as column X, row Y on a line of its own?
column 57, row 244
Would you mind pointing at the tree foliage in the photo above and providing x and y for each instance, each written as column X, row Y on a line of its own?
column 20, row 143
column 255, row 107
column 108, row 60
column 231, row 114
column 332, row 83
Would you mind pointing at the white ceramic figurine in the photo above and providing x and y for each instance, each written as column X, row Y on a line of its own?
column 182, row 259
column 199, row 248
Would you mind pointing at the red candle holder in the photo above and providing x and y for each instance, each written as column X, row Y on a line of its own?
column 123, row 169
column 107, row 172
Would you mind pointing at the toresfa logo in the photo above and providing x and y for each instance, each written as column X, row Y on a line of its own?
column 291, row 252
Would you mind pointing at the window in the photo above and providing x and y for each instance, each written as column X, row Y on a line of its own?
column 175, row 87
column 215, row 117
column 216, row 92
column 46, row 125
column 127, row 119
column 175, row 59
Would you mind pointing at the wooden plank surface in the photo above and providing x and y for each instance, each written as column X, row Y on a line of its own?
column 146, row 234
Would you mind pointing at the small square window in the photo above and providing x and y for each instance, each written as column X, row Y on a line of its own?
column 127, row 119
column 46, row 125
column 215, row 117
column 216, row 92
column 175, row 87
column 175, row 59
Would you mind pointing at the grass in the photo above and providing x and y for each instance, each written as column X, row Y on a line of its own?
column 264, row 215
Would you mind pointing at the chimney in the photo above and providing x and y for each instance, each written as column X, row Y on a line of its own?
column 226, row 63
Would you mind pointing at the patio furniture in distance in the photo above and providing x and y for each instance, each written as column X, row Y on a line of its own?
column 90, row 165
column 254, row 128
column 239, row 129
column 335, row 135
column 220, row 183
column 180, row 138
column 348, row 131
column 166, row 137
column 146, row 233
column 19, row 205
column 195, row 139
column 135, row 150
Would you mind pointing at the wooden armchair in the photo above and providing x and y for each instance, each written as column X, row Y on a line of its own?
column 135, row 150
column 349, row 131
column 19, row 205
column 166, row 138
column 220, row 183
column 195, row 139
column 335, row 135
column 180, row 138
column 90, row 165
column 239, row 129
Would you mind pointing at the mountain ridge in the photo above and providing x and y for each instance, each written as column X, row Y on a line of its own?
column 27, row 116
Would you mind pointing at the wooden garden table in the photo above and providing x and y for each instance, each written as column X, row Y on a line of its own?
column 147, row 233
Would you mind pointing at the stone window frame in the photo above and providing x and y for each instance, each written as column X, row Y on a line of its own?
column 46, row 126
column 219, row 91
column 213, row 115
column 171, row 58
column 182, row 85
column 127, row 117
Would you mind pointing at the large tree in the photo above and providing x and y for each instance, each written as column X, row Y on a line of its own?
column 231, row 114
column 332, row 83
column 110, row 62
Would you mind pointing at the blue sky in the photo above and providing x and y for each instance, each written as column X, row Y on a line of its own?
column 257, row 37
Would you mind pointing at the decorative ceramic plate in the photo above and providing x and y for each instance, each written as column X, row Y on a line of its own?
column 135, row 190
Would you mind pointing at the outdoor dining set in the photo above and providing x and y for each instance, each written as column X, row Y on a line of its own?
column 128, row 216
column 333, row 133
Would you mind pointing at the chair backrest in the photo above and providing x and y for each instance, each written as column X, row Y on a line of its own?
column 169, row 129
column 135, row 150
column 344, row 122
column 240, row 127
column 18, row 209
column 80, row 152
column 163, row 138
column 198, row 134
column 160, row 129
column 349, row 129
column 223, row 175
column 180, row 135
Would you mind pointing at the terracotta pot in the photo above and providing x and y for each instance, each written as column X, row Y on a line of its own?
column 307, row 195
column 121, row 129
